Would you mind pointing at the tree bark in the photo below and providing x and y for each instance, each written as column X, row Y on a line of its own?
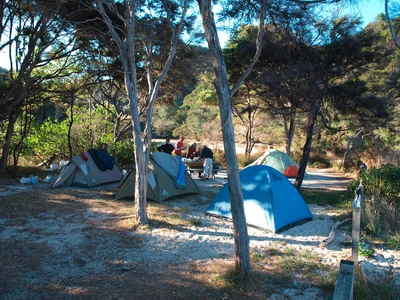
column 12, row 118
column 290, row 132
column 312, row 117
column 126, row 45
column 352, row 144
column 241, row 238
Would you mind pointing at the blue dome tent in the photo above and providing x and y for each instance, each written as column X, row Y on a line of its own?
column 270, row 200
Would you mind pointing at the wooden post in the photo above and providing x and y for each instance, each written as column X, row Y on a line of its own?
column 357, row 210
column 355, row 237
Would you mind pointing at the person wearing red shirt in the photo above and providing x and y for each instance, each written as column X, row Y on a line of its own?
column 179, row 146
column 191, row 152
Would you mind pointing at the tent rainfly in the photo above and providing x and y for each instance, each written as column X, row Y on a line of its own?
column 167, row 177
column 278, row 160
column 89, row 169
column 270, row 200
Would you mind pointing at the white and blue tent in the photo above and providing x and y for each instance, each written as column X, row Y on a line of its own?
column 167, row 178
column 270, row 200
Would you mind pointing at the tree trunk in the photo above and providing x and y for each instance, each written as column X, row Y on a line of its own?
column 312, row 117
column 352, row 144
column 70, row 128
column 249, row 138
column 290, row 132
column 12, row 118
column 141, row 164
column 126, row 47
column 25, row 127
column 241, row 238
column 127, row 50
column 251, row 113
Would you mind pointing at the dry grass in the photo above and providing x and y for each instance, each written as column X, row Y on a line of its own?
column 31, row 268
column 101, row 265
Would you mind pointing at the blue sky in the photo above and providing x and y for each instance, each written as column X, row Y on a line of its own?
column 369, row 9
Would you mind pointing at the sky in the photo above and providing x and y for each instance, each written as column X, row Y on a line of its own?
column 368, row 9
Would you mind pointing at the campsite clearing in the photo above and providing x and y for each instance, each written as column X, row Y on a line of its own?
column 75, row 243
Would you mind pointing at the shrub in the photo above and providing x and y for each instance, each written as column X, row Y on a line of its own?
column 122, row 151
column 319, row 161
column 383, row 182
column 381, row 199
column 370, row 222
column 243, row 160
column 394, row 242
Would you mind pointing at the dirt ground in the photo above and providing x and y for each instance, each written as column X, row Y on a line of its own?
column 73, row 243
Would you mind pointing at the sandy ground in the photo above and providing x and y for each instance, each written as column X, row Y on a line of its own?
column 71, row 250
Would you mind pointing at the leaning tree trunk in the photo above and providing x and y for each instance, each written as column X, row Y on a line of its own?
column 241, row 238
column 18, row 146
column 12, row 118
column 312, row 117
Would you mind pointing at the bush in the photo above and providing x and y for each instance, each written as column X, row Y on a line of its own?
column 383, row 182
column 243, row 160
column 122, row 151
column 381, row 199
column 319, row 161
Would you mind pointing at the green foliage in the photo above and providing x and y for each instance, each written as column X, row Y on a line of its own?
column 200, row 107
column 122, row 151
column 243, row 160
column 380, row 214
column 371, row 219
column 219, row 156
column 364, row 249
column 394, row 242
column 319, row 160
column 48, row 139
column 382, row 182
column 165, row 120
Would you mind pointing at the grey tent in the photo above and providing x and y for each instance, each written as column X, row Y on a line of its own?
column 163, row 179
column 89, row 169
column 279, row 161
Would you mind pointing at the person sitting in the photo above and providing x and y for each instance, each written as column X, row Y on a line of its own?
column 207, row 155
column 167, row 147
column 191, row 152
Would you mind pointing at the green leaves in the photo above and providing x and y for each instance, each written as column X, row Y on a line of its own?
column 383, row 182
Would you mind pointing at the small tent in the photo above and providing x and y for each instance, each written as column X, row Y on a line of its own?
column 167, row 177
column 278, row 160
column 270, row 200
column 89, row 169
